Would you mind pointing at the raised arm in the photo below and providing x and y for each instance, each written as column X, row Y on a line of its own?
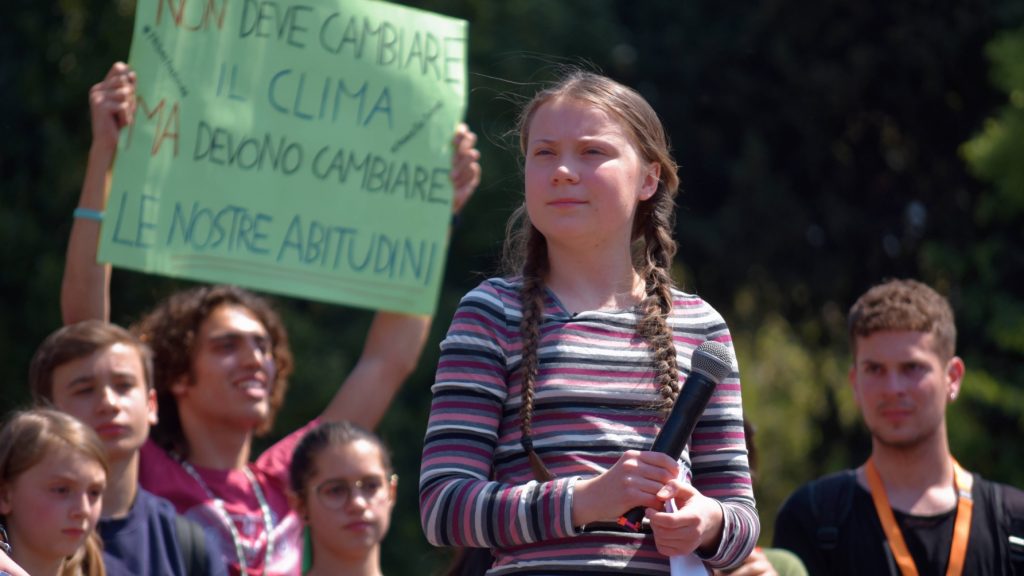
column 465, row 173
column 395, row 341
column 85, row 290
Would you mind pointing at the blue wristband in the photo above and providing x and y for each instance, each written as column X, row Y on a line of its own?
column 88, row 214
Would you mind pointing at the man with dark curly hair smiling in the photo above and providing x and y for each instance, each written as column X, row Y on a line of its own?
column 221, row 367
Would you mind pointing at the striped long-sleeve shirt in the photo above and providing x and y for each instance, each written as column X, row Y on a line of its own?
column 594, row 399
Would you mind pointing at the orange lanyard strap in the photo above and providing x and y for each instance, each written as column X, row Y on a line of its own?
column 961, row 529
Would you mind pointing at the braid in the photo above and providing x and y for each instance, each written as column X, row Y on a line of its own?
column 532, row 297
column 655, row 261
column 525, row 251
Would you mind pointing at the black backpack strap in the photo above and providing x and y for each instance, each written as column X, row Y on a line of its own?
column 192, row 545
column 1009, row 504
column 831, row 500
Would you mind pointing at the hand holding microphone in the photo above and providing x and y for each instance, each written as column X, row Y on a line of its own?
column 710, row 364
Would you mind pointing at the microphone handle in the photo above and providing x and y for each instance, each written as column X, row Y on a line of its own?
column 678, row 428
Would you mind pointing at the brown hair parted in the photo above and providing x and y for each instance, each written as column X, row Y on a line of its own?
column 76, row 341
column 323, row 435
column 904, row 305
column 653, row 247
column 26, row 438
column 171, row 329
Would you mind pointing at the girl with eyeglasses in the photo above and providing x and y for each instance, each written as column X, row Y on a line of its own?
column 222, row 362
column 343, row 489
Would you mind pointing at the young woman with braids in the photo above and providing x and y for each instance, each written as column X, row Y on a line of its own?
column 554, row 380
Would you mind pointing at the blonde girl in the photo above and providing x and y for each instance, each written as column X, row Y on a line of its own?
column 53, row 471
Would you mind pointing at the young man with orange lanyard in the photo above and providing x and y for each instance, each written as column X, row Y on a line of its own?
column 911, row 509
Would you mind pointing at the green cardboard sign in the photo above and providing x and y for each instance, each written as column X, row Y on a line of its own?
column 294, row 147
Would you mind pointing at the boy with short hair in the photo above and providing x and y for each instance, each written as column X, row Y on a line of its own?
column 222, row 362
column 102, row 375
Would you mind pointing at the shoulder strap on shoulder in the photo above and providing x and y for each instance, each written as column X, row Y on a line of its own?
column 192, row 544
column 183, row 531
column 1009, row 505
column 831, row 500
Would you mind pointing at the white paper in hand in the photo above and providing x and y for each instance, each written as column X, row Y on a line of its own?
column 684, row 564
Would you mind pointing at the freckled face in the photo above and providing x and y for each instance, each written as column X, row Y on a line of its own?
column 584, row 176
column 233, row 370
column 107, row 390
column 902, row 386
column 52, row 507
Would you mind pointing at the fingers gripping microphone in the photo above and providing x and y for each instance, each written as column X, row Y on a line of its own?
column 710, row 364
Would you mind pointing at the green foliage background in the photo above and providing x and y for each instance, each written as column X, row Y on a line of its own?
column 823, row 147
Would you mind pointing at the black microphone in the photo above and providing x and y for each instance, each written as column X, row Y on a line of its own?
column 710, row 364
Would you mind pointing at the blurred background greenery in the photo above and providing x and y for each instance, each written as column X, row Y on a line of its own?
column 823, row 146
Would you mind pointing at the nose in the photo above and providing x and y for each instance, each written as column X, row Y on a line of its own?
column 894, row 384
column 108, row 397
column 79, row 505
column 565, row 173
column 357, row 500
column 254, row 352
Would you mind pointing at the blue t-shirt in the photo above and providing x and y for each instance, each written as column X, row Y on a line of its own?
column 145, row 542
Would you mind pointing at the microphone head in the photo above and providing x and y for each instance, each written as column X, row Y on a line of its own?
column 713, row 360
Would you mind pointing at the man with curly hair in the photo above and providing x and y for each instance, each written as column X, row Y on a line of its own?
column 911, row 508
column 221, row 367
column 102, row 375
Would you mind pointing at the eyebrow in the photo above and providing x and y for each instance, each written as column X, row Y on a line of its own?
column 63, row 477
column 83, row 379
column 236, row 333
column 371, row 476
column 91, row 377
column 582, row 140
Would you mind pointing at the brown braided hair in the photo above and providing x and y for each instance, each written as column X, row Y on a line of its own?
column 525, row 251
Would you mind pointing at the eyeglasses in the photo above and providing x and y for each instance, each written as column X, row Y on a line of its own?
column 335, row 494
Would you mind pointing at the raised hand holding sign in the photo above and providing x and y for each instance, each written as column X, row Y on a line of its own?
column 298, row 148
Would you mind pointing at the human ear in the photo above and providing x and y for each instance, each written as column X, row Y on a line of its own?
column 955, row 373
column 392, row 492
column 298, row 503
column 651, row 180
column 151, row 407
